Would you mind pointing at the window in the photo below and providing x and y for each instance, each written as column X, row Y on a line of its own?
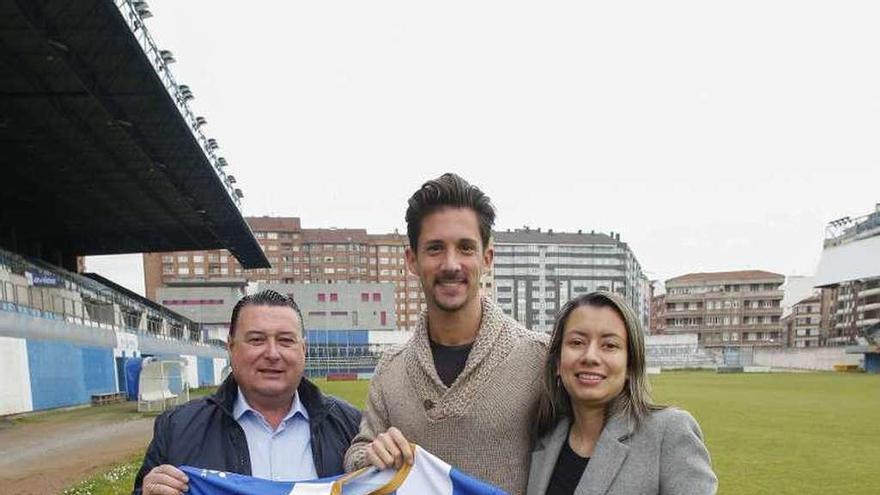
column 198, row 258
column 383, row 317
column 334, row 297
column 377, row 296
column 365, row 297
column 183, row 259
column 198, row 270
column 272, row 235
column 167, row 259
column 183, row 270
column 322, row 297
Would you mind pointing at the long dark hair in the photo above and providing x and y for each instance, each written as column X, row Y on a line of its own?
column 635, row 399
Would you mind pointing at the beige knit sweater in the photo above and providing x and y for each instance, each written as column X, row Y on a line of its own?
column 481, row 423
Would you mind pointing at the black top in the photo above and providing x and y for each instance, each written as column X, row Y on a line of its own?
column 568, row 471
column 450, row 360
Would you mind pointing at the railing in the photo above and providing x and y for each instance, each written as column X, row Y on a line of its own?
column 743, row 294
column 39, row 302
column 154, row 55
column 846, row 229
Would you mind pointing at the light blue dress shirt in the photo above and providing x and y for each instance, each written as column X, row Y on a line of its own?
column 284, row 454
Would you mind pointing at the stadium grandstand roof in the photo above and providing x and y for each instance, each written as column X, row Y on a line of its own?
column 725, row 276
column 100, row 151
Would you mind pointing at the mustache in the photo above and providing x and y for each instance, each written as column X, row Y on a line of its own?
column 451, row 276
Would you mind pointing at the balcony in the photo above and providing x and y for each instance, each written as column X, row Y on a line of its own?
column 761, row 294
column 685, row 312
column 762, row 311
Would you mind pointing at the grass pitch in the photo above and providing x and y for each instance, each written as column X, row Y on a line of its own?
column 784, row 433
column 781, row 433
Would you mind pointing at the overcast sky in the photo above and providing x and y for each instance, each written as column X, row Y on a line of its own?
column 711, row 136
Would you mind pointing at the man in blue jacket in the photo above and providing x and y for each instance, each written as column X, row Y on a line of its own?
column 265, row 420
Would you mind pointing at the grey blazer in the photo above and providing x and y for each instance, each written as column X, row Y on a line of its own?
column 666, row 455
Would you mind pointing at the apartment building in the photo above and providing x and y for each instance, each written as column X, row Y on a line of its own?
column 738, row 308
column 658, row 315
column 806, row 323
column 302, row 256
column 536, row 272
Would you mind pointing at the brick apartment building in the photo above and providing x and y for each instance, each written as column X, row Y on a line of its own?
column 739, row 308
column 300, row 255
column 658, row 314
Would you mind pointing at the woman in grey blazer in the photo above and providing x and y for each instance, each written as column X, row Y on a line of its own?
column 598, row 432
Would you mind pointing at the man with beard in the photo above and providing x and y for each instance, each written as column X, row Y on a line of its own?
column 466, row 385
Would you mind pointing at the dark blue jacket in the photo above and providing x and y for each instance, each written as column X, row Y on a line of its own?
column 203, row 433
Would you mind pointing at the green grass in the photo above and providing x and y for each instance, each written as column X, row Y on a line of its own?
column 106, row 413
column 798, row 433
column 118, row 479
column 784, row 433
column 355, row 392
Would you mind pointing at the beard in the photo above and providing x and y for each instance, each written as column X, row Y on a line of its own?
column 451, row 306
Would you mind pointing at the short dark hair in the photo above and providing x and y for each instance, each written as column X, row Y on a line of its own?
column 265, row 298
column 448, row 190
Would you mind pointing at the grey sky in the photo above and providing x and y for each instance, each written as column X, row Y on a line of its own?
column 711, row 136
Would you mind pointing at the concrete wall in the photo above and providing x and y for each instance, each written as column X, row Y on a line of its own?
column 201, row 304
column 819, row 359
column 349, row 310
column 49, row 363
column 64, row 374
column 205, row 371
column 15, row 381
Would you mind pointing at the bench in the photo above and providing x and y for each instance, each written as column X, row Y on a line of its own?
column 847, row 368
column 109, row 398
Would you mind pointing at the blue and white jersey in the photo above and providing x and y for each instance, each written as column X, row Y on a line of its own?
column 428, row 475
